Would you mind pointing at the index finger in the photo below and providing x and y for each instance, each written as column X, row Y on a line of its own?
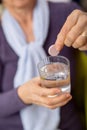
column 69, row 23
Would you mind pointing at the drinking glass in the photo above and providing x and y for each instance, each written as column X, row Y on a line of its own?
column 55, row 72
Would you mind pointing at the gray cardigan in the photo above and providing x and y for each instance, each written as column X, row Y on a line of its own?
column 10, row 104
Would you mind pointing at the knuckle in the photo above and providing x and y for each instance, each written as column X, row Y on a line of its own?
column 49, row 102
column 53, row 92
column 69, row 40
column 84, row 19
column 44, row 91
column 77, row 12
column 41, row 93
column 70, row 37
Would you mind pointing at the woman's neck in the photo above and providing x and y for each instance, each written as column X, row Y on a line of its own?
column 22, row 14
column 25, row 18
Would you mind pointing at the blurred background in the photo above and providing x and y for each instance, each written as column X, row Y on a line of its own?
column 82, row 3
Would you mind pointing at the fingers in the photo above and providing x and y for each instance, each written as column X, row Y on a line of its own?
column 55, row 102
column 83, row 48
column 58, row 99
column 80, row 42
column 43, row 91
column 34, row 93
column 75, row 36
column 70, row 22
column 71, row 32
column 64, row 102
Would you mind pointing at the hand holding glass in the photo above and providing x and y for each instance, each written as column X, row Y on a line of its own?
column 55, row 72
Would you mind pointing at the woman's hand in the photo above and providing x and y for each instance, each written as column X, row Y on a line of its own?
column 33, row 93
column 74, row 32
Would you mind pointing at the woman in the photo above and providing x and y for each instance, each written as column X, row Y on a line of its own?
column 27, row 30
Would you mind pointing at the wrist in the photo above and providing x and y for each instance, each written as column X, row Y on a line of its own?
column 22, row 95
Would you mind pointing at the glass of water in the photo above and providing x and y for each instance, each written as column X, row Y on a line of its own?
column 55, row 72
